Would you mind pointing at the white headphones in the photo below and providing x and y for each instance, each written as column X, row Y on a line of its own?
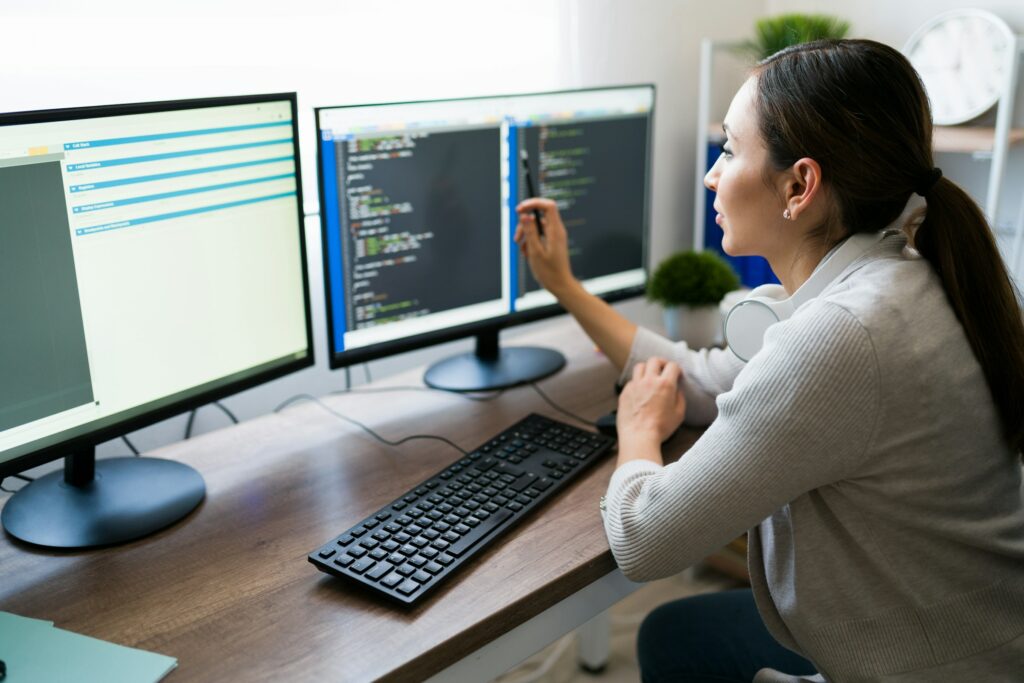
column 766, row 305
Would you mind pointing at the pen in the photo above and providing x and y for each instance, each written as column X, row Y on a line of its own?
column 530, row 190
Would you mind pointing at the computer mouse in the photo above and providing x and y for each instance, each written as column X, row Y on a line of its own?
column 606, row 423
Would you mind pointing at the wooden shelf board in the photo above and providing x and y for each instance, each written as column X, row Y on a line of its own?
column 958, row 139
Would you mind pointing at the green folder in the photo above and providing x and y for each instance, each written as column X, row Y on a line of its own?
column 37, row 652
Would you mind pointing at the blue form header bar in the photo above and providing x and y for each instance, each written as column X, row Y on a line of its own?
column 86, row 144
column 177, row 174
column 106, row 227
column 173, row 155
column 178, row 193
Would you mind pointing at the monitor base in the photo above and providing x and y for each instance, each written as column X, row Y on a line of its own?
column 127, row 498
column 509, row 367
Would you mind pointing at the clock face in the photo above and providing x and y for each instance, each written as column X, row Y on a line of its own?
column 962, row 57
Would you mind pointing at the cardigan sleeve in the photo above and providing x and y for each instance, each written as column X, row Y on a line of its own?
column 706, row 373
column 800, row 415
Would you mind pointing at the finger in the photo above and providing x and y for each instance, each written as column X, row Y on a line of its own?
column 654, row 365
column 671, row 371
column 638, row 371
column 537, row 203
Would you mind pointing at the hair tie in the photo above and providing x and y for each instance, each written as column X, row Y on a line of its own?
column 927, row 181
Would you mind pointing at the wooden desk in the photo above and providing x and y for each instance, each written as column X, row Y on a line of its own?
column 229, row 592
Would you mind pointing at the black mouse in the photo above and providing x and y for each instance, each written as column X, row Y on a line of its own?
column 606, row 423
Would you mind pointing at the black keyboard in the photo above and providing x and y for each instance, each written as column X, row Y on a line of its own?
column 408, row 547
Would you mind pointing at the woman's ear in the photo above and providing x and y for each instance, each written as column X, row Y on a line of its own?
column 801, row 184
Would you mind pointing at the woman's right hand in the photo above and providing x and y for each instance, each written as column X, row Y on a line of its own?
column 548, row 256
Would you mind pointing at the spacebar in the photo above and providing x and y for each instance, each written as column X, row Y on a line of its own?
column 481, row 531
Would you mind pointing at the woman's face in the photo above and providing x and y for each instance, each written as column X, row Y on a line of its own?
column 747, row 207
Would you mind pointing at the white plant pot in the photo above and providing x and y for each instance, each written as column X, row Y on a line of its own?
column 698, row 326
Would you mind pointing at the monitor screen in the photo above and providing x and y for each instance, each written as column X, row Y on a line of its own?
column 418, row 210
column 152, row 260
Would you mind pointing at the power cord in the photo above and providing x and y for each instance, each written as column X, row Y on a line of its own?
column 192, row 418
column 357, row 423
column 16, row 476
column 559, row 408
column 131, row 446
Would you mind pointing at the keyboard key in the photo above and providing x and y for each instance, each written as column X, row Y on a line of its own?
column 406, row 570
column 392, row 579
column 429, row 553
column 399, row 506
column 356, row 551
column 344, row 560
column 417, row 561
column 371, row 524
column 543, row 484
column 461, row 529
column 408, row 587
column 327, row 552
column 383, row 515
column 403, row 537
column 345, row 540
column 362, row 565
column 433, row 568
column 445, row 559
column 378, row 554
column 421, row 577
column 479, row 533
column 390, row 546
column 356, row 533
column 380, row 570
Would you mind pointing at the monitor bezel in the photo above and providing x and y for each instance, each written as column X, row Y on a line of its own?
column 91, row 438
column 494, row 324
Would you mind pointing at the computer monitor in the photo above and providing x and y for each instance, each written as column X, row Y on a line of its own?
column 152, row 260
column 418, row 214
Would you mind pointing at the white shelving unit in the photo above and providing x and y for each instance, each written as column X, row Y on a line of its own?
column 981, row 142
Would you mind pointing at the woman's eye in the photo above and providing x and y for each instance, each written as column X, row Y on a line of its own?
column 727, row 153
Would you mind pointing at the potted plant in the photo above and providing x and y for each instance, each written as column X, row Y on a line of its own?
column 689, row 285
column 778, row 32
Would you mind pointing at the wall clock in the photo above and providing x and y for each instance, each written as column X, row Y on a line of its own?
column 962, row 56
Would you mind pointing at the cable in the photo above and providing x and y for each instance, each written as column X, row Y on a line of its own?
column 561, row 409
column 16, row 476
column 192, row 418
column 131, row 446
column 226, row 411
column 369, row 431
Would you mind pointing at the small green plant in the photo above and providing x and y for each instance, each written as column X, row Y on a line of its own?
column 689, row 278
column 778, row 32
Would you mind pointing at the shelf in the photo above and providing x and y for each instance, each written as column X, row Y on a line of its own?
column 970, row 139
column 956, row 139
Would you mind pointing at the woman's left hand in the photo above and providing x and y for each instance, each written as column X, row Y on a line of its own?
column 651, row 408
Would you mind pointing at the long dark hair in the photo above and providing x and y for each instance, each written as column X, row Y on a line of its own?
column 859, row 109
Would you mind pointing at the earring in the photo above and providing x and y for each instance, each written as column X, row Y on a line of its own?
column 787, row 215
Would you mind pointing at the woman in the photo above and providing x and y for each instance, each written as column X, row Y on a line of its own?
column 871, row 446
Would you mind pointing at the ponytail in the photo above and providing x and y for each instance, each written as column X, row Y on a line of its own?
column 956, row 240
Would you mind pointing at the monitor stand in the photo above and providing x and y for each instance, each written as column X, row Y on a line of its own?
column 95, row 503
column 493, row 367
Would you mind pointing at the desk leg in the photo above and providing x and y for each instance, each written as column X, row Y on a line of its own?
column 500, row 655
column 593, row 638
